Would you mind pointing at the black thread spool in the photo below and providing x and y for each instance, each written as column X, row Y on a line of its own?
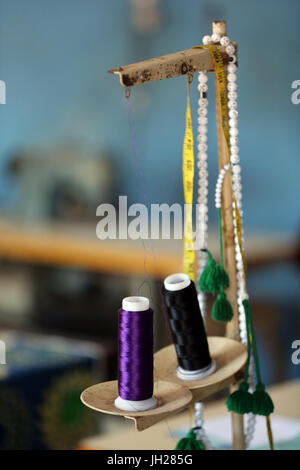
column 187, row 327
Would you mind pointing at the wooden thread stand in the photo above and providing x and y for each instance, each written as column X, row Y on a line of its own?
column 230, row 355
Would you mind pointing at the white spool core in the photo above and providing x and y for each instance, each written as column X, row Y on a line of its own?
column 177, row 281
column 140, row 405
column 135, row 304
column 196, row 374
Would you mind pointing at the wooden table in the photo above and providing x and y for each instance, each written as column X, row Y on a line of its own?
column 76, row 245
column 285, row 396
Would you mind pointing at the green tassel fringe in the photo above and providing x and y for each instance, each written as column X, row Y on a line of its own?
column 222, row 310
column 214, row 277
column 190, row 442
column 262, row 402
column 241, row 401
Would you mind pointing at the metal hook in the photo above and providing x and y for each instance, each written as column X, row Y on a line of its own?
column 190, row 76
column 127, row 92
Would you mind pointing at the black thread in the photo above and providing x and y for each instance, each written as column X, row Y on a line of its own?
column 187, row 328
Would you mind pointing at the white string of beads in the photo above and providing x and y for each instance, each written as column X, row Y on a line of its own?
column 203, row 209
column 199, row 424
column 202, row 220
column 218, row 191
column 237, row 188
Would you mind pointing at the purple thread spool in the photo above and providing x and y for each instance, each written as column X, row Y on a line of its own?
column 135, row 355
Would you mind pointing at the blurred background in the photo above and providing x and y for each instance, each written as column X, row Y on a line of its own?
column 65, row 148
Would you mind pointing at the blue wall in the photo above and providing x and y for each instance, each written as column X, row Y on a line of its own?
column 54, row 56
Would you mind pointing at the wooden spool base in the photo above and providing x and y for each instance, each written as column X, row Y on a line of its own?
column 173, row 394
column 171, row 398
column 230, row 357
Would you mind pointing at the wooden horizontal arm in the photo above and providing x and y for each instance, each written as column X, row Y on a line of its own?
column 167, row 66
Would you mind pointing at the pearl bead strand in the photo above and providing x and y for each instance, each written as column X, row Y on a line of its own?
column 237, row 188
column 218, row 192
column 202, row 207
column 202, row 211
column 199, row 424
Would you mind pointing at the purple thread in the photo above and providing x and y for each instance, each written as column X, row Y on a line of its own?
column 135, row 355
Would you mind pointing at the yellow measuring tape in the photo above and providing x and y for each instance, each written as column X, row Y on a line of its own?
column 188, row 182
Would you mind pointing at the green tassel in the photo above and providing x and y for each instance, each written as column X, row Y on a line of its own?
column 241, row 401
column 190, row 442
column 262, row 402
column 214, row 277
column 222, row 310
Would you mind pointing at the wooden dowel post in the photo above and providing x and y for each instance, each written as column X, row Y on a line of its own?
column 219, row 27
column 232, row 330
